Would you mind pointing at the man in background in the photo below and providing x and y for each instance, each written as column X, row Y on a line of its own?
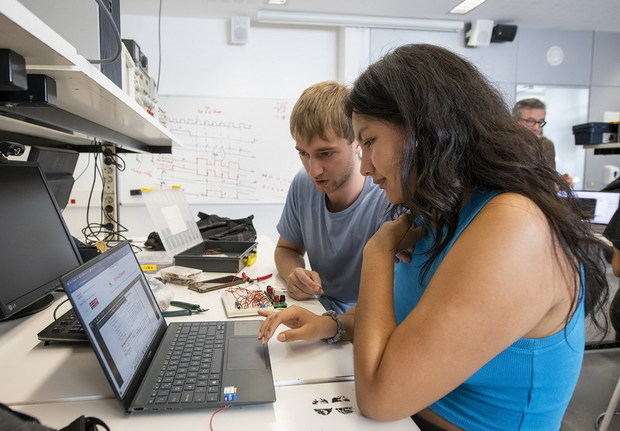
column 531, row 114
column 331, row 210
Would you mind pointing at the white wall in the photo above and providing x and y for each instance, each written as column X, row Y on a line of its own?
column 496, row 61
column 281, row 61
column 590, row 66
column 277, row 62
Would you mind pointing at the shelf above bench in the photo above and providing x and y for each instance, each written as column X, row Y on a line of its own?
column 89, row 106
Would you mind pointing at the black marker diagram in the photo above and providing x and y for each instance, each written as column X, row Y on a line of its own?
column 323, row 410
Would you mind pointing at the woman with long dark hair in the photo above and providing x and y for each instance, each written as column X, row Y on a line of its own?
column 481, row 324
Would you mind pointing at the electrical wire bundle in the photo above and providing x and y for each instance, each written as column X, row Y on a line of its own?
column 249, row 298
column 103, row 231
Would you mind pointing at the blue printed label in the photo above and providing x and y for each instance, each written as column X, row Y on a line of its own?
column 230, row 393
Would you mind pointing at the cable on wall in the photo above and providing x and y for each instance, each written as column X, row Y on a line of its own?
column 159, row 44
column 117, row 32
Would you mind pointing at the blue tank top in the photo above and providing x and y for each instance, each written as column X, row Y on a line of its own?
column 525, row 387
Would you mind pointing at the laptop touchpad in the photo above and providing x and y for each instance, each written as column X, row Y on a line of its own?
column 245, row 354
column 247, row 327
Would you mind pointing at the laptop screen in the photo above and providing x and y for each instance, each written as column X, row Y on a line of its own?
column 601, row 204
column 120, row 313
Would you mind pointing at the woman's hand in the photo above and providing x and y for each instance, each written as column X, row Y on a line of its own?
column 304, row 324
column 397, row 237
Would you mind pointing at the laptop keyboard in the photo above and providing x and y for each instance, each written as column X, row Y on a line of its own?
column 66, row 328
column 192, row 370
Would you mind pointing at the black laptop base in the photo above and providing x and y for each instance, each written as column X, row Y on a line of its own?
column 66, row 328
column 198, row 365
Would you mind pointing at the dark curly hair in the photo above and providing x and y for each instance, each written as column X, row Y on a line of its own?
column 461, row 137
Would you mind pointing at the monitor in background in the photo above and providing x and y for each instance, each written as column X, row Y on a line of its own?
column 57, row 165
column 601, row 205
column 37, row 248
column 614, row 186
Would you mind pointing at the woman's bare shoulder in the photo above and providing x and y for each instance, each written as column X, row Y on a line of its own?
column 515, row 207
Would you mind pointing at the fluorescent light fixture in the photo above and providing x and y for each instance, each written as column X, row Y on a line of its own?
column 466, row 5
column 345, row 20
column 276, row 1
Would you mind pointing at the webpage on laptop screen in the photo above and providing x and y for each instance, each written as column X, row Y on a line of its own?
column 122, row 318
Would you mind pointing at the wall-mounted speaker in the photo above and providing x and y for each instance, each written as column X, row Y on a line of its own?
column 239, row 29
column 504, row 33
column 479, row 33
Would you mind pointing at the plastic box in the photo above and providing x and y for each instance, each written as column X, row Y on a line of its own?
column 232, row 256
column 153, row 261
column 595, row 133
column 177, row 229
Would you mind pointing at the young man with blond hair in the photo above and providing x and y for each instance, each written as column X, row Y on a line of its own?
column 331, row 210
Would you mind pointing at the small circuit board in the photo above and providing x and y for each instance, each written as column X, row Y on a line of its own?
column 241, row 301
column 278, row 300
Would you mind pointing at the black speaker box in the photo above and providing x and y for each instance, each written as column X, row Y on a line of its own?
column 12, row 71
column 504, row 33
column 40, row 89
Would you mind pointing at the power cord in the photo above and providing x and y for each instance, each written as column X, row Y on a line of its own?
column 214, row 413
column 83, row 170
column 117, row 33
column 89, row 235
column 158, row 45
column 113, row 227
column 104, row 231
column 57, row 307
column 11, row 149
column 599, row 419
column 603, row 421
column 111, row 158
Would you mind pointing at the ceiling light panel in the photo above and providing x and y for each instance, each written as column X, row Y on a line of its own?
column 271, row 16
column 465, row 6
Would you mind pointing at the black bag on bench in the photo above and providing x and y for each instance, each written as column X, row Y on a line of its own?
column 214, row 228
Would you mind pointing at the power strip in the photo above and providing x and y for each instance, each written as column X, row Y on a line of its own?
column 109, row 198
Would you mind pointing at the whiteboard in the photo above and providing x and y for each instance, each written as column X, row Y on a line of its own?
column 235, row 150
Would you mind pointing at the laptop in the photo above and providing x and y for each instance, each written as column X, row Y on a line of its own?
column 154, row 366
column 600, row 206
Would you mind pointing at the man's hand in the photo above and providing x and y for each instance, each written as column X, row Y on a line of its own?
column 303, row 284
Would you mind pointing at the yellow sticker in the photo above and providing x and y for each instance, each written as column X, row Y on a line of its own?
column 149, row 267
column 251, row 259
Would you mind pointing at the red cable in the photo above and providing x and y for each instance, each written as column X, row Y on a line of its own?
column 214, row 413
column 249, row 298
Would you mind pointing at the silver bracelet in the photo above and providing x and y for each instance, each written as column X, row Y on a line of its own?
column 340, row 331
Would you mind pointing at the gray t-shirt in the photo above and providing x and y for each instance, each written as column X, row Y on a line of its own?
column 333, row 240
